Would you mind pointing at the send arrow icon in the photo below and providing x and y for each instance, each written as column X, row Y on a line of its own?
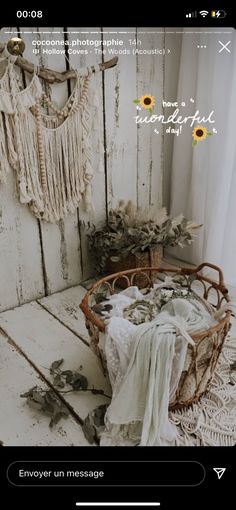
column 219, row 472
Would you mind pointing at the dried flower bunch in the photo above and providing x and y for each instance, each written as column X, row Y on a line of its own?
column 140, row 311
column 146, row 310
column 130, row 230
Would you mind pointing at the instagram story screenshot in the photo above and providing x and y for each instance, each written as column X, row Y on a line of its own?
column 117, row 258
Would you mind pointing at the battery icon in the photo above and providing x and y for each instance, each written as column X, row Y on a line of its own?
column 218, row 14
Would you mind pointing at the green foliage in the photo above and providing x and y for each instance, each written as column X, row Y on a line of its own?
column 62, row 377
column 94, row 423
column 47, row 402
column 130, row 230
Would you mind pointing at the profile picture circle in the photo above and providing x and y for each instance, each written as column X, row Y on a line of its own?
column 16, row 46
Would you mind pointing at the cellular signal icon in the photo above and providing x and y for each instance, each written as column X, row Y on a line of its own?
column 191, row 14
column 203, row 13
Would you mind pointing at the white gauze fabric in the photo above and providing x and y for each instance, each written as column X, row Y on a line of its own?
column 144, row 364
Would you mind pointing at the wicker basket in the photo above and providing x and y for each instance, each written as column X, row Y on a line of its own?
column 149, row 258
column 200, row 363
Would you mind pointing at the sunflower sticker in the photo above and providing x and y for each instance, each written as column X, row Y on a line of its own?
column 147, row 101
column 200, row 133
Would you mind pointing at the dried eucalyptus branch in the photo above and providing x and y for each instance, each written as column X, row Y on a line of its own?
column 94, row 424
column 93, row 390
column 48, row 402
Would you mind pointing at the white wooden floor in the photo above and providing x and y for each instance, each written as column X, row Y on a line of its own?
column 32, row 336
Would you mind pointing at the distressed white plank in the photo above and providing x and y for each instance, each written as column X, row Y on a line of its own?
column 20, row 254
column 44, row 339
column 98, row 215
column 21, row 425
column 150, row 144
column 65, row 307
column 173, row 42
column 61, row 247
column 121, row 130
column 61, row 243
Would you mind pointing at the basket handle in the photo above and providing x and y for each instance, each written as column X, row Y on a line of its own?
column 211, row 266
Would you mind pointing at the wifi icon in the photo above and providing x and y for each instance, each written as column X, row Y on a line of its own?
column 204, row 13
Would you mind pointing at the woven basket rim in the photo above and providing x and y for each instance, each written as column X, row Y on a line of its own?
column 100, row 324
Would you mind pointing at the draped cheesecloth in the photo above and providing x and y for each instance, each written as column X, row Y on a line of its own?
column 145, row 363
column 52, row 159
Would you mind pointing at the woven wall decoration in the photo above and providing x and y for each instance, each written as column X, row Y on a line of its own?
column 50, row 153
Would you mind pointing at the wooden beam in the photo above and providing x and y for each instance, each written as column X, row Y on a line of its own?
column 52, row 76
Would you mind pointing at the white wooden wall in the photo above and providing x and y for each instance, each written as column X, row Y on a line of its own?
column 37, row 258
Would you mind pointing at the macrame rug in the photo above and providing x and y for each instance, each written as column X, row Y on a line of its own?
column 211, row 421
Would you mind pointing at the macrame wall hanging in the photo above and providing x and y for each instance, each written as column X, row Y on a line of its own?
column 50, row 153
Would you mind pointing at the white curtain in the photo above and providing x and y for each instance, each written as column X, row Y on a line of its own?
column 203, row 179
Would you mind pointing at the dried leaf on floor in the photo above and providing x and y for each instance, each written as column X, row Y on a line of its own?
column 47, row 402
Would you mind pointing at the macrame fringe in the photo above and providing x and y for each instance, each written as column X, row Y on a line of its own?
column 4, row 161
column 53, row 162
column 212, row 421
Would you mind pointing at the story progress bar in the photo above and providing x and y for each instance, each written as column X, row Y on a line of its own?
column 142, row 504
